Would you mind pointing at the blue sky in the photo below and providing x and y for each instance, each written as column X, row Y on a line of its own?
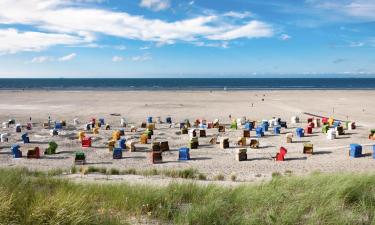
column 194, row 38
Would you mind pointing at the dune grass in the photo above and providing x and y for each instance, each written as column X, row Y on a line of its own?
column 38, row 198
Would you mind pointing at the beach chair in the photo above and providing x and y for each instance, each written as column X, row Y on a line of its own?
column 88, row 127
column 308, row 148
column 122, row 143
column 294, row 119
column 331, row 134
column 80, row 158
column 4, row 137
column 111, row 145
column 355, row 151
column 311, row 124
column 241, row 141
column 16, row 152
column 330, row 121
column 164, row 146
column 101, row 121
column 216, row 123
column 371, row 136
column 11, row 121
column 241, row 154
column 95, row 130
column 309, row 129
column 81, row 135
column 221, row 128
column 184, row 130
column 33, row 153
column 259, row 132
column 156, row 146
column 276, row 130
column 116, row 135
column 192, row 133
column 168, row 120
column 144, row 139
column 300, row 132
column 183, row 154
column 107, row 127
column 58, row 126
column 52, row 146
column 213, row 140
column 202, row 133
column 117, row 153
column 86, row 142
column 75, row 121
column 325, row 128
column 254, row 143
column 151, row 126
column 339, row 130
column 5, row 125
column 210, row 125
column 281, row 155
column 149, row 133
column 187, row 123
column 248, row 126
column 149, row 119
column 246, row 133
column 131, row 145
column 289, row 138
column 316, row 122
column 25, row 138
column 310, row 120
column 193, row 143
column 29, row 126
column 233, row 125
column 133, row 129
column 53, row 132
column 352, row 126
column 122, row 131
column 156, row 157
column 224, row 143
column 123, row 122
column 18, row 128
column 265, row 126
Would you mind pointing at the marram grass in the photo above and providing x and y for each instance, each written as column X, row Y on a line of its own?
column 37, row 198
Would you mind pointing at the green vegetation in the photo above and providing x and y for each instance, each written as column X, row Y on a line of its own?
column 30, row 197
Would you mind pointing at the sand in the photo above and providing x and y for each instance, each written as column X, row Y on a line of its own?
column 135, row 106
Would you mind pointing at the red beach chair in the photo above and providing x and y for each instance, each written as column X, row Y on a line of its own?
column 86, row 142
column 281, row 155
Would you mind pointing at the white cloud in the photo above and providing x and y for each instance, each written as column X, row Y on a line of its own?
column 285, row 37
column 155, row 5
column 41, row 59
column 62, row 22
column 117, row 59
column 253, row 29
column 67, row 57
column 120, row 47
column 238, row 15
column 144, row 57
column 12, row 41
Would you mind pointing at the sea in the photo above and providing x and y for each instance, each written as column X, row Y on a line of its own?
column 187, row 84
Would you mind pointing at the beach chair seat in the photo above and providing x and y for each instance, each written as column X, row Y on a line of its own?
column 193, row 143
column 52, row 146
column 122, row 131
column 202, row 133
column 144, row 139
column 331, row 134
column 33, row 153
column 259, row 132
column 289, row 137
column 246, row 133
column 221, row 128
column 86, row 142
column 18, row 128
column 123, row 122
column 339, row 130
column 155, row 146
column 25, row 138
column 149, row 133
column 107, row 127
column 352, row 126
column 29, row 126
column 16, row 152
column 156, row 157
column 164, row 146
column 309, row 129
column 151, row 126
column 280, row 156
column 254, row 143
column 183, row 154
column 294, row 119
column 184, row 130
column 213, row 140
column 249, row 126
column 300, row 132
column 310, row 120
column 234, row 125
column 224, row 143
column 241, row 154
column 265, row 125
column 122, row 143
column 58, row 126
column 192, row 133
column 308, row 148
column 4, row 137
column 130, row 144
column 53, row 132
column 80, row 158
column 316, row 122
column 133, row 129
column 241, row 141
column 111, row 145
column 116, row 135
column 355, row 151
column 117, row 153
column 101, row 121
column 276, row 130
column 168, row 120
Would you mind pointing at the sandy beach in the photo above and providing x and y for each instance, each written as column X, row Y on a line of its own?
column 136, row 106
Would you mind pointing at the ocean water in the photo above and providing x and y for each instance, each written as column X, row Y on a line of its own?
column 189, row 83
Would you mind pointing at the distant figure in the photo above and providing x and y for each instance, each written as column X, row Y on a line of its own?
column 30, row 118
column 230, row 117
column 262, row 99
column 252, row 104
